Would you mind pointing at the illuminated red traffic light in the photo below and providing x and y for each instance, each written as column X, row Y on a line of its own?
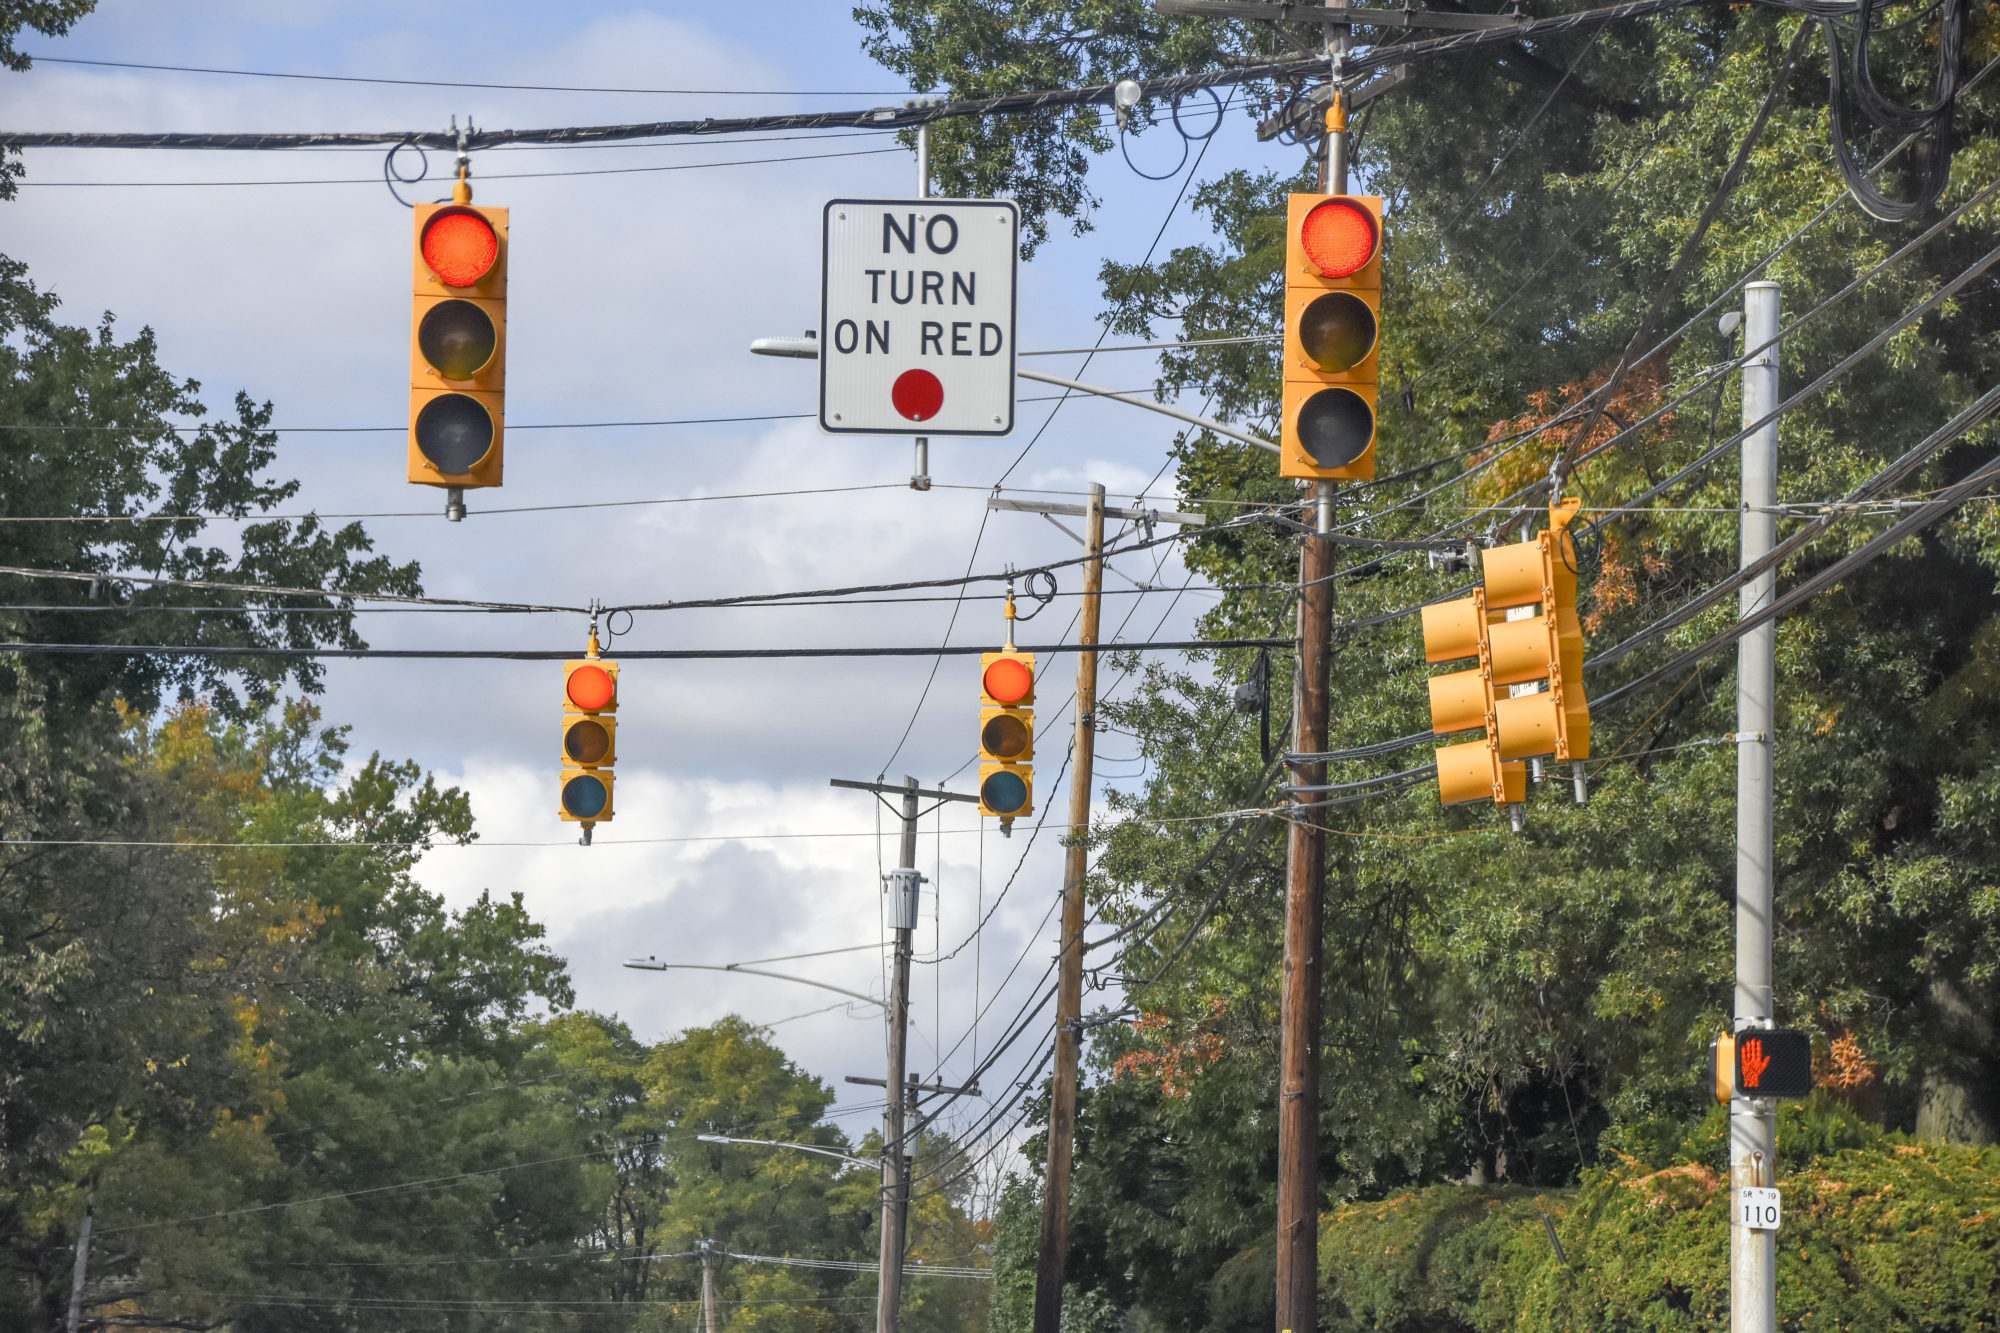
column 591, row 688
column 1339, row 237
column 460, row 247
column 1009, row 680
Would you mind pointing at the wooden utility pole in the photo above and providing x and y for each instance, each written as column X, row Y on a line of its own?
column 1069, row 972
column 1305, row 869
column 904, row 885
column 707, row 1289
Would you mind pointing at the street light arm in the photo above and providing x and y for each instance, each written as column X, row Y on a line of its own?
column 799, row 1147
column 652, row 965
column 807, row 349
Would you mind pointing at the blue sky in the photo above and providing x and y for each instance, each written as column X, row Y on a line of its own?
column 633, row 296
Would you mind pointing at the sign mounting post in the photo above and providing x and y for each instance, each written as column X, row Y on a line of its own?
column 917, row 316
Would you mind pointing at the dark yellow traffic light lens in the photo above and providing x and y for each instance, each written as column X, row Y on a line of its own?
column 457, row 338
column 454, row 432
column 1005, row 737
column 1337, row 331
column 460, row 246
column 1004, row 793
column 1335, row 427
column 1339, row 238
column 585, row 796
column 587, row 742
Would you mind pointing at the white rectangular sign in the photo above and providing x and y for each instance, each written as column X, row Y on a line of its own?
column 916, row 316
column 1758, row 1208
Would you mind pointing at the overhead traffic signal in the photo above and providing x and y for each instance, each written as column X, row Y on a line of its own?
column 1007, row 734
column 589, row 739
column 1333, row 305
column 1527, row 691
column 458, row 344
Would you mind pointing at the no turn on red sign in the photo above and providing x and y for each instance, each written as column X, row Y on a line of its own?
column 916, row 322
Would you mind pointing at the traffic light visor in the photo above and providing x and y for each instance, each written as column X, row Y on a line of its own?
column 1335, row 427
column 460, row 246
column 454, row 432
column 1337, row 332
column 585, row 796
column 1339, row 238
column 1009, row 680
column 1004, row 792
column 457, row 338
column 591, row 688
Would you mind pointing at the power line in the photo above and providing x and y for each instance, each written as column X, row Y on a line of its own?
column 908, row 116
column 623, row 655
column 532, row 425
column 490, row 176
column 455, row 83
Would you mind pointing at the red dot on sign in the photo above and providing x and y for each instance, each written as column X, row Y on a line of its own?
column 591, row 687
column 917, row 395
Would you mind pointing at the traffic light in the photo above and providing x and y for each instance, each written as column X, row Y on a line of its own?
column 1007, row 734
column 1773, row 1062
column 458, row 344
column 1527, row 691
column 589, row 739
column 1333, row 306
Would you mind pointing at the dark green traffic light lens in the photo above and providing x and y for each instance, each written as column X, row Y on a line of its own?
column 1337, row 331
column 1004, row 793
column 1005, row 737
column 454, row 432
column 587, row 742
column 457, row 338
column 585, row 796
column 1335, row 427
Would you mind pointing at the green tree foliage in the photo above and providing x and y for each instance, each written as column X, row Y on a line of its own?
column 1504, row 1009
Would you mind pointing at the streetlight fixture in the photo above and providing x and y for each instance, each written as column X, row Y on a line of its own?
column 799, row 1147
column 655, row 965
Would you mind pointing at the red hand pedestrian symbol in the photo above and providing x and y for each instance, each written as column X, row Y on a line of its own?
column 1755, row 1062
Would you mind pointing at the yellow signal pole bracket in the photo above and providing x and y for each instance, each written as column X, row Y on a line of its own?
column 1332, row 333
column 458, row 343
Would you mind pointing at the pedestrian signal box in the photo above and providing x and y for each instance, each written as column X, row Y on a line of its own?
column 1773, row 1062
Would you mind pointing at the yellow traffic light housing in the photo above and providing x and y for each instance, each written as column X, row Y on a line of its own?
column 1526, row 693
column 1007, row 730
column 589, row 739
column 1333, row 308
column 458, row 344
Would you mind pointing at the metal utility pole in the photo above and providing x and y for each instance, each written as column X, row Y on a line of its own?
column 707, row 1289
column 904, row 886
column 1069, row 971
column 80, row 1273
column 1753, row 1125
column 1305, row 867
column 920, row 479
